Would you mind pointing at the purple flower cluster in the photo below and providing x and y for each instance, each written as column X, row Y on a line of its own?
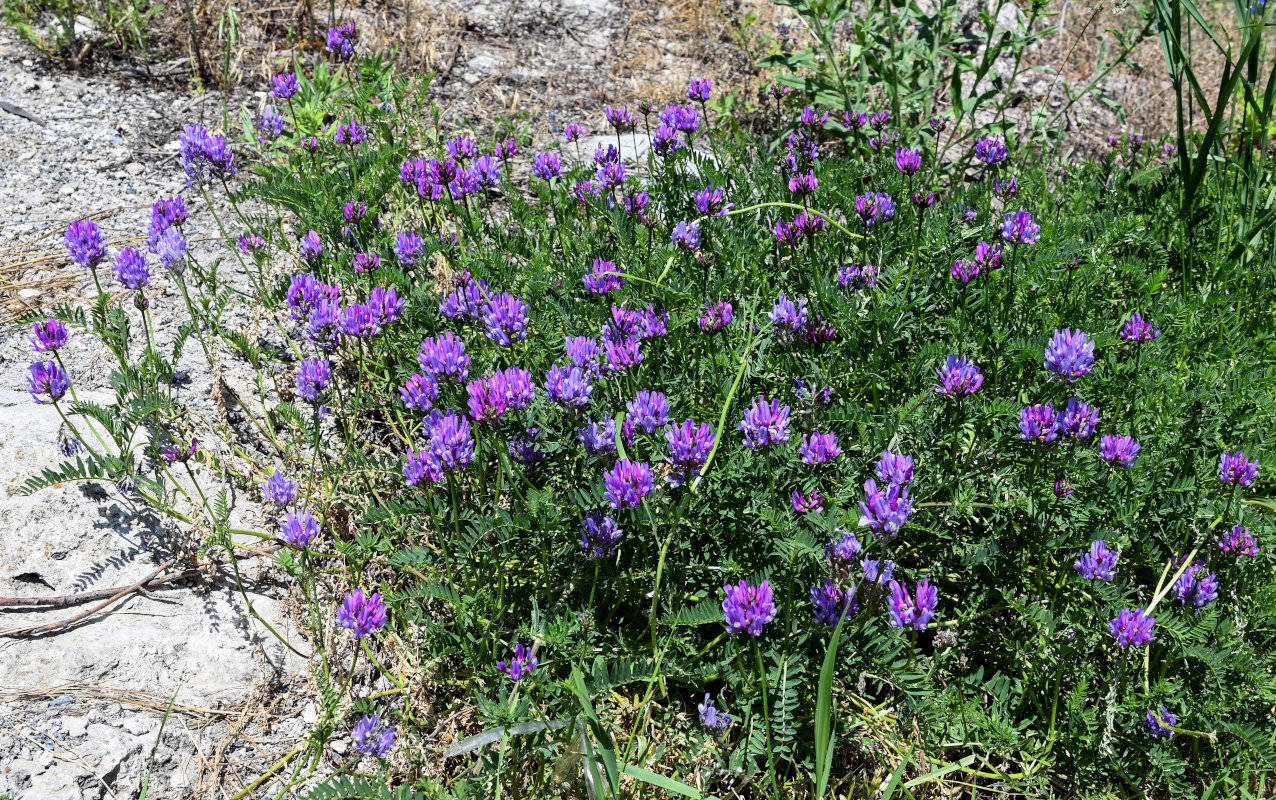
column 912, row 611
column 874, row 207
column 284, row 86
column 908, row 161
column 885, row 511
column 812, row 503
column 711, row 717
column 131, row 269
column 85, row 243
column 787, row 315
column 686, row 235
column 819, row 448
column 1138, row 329
column 1234, row 467
column 805, row 225
column 1197, row 586
column 447, row 446
column 491, row 396
column 1077, row 420
column 271, row 125
column 765, row 423
column 176, row 451
column 964, row 270
column 599, row 535
column 305, row 292
column 991, row 150
column 648, row 411
column 1239, row 541
column 47, row 382
column 627, row 483
column 444, row 357
column 747, row 608
column 958, row 377
column 894, row 468
column 48, row 335
column 1069, row 354
column 599, row 438
column 205, row 155
column 1098, row 564
column 547, row 166
column 988, row 256
column 505, row 319
column 362, row 613
column 831, row 603
column 570, row 387
column 603, row 277
column 1038, row 424
column 1119, row 451
column 1132, row 627
column 341, row 40
column 711, row 201
column 1020, row 228
column 313, row 377
column 520, row 664
column 299, row 528
column 279, row 489
column 716, row 317
column 419, row 392
column 689, row 448
column 1161, row 722
column 373, row 737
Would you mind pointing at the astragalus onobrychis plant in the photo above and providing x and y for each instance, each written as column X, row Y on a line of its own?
column 767, row 463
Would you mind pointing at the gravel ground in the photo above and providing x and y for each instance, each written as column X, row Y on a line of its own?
column 81, row 710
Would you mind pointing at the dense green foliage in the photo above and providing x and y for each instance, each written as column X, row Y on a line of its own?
column 1016, row 686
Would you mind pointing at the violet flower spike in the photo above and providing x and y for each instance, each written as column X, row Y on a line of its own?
column 1119, row 451
column 1161, row 722
column 747, row 608
column 1239, row 541
column 599, row 535
column 912, row 611
column 819, row 448
column 1020, row 228
column 1138, row 329
column 1069, row 354
column 765, row 423
column 279, row 489
column 520, row 665
column 831, row 603
column 1099, row 563
column 812, row 503
column 1235, row 468
column 48, row 336
column 85, row 243
column 1038, row 424
column 958, row 377
column 46, row 379
column 894, row 468
column 300, row 528
column 1196, row 587
column 1132, row 627
column 711, row 717
column 627, row 483
column 373, row 737
column 885, row 511
column 361, row 613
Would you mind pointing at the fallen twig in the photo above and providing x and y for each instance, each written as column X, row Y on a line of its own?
column 36, row 630
column 68, row 600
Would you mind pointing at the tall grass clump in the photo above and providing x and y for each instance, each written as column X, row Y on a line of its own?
column 836, row 460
